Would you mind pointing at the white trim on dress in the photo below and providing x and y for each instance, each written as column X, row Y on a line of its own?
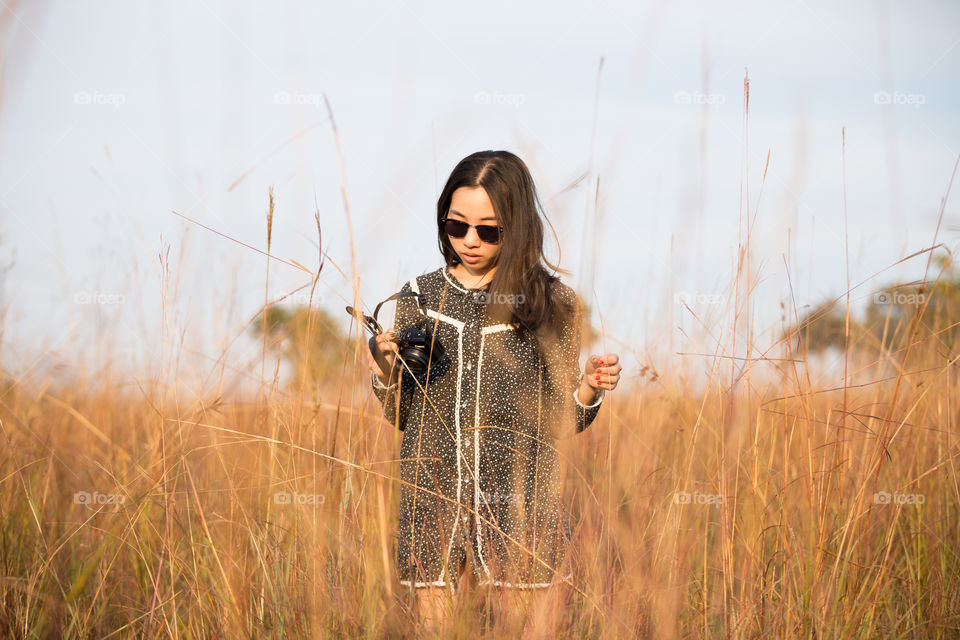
column 496, row 327
column 522, row 585
column 452, row 280
column 589, row 406
column 476, row 437
column 435, row 583
column 459, row 325
column 476, row 454
column 379, row 385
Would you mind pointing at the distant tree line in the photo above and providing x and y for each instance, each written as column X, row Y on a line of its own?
column 927, row 311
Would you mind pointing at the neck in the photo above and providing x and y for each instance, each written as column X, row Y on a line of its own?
column 473, row 278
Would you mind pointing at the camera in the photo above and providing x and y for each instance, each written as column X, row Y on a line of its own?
column 418, row 348
column 416, row 345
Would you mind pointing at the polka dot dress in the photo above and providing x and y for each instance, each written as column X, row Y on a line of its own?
column 479, row 465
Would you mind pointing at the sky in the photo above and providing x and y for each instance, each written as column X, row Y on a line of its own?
column 630, row 115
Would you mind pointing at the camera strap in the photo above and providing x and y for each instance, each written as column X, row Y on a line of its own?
column 372, row 323
column 421, row 300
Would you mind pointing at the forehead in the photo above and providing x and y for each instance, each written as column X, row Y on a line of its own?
column 472, row 204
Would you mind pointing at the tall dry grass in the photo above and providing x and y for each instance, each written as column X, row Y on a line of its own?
column 749, row 507
column 796, row 547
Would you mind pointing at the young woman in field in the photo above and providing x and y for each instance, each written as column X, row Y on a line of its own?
column 479, row 465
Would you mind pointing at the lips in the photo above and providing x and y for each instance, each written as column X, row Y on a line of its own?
column 470, row 257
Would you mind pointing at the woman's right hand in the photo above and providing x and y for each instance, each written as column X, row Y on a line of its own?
column 387, row 344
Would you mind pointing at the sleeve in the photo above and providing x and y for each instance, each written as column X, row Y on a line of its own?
column 395, row 398
column 569, row 343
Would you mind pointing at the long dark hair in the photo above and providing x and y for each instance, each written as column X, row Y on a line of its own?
column 521, row 274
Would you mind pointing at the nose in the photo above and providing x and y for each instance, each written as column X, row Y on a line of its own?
column 471, row 239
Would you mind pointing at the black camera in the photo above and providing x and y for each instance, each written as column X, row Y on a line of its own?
column 416, row 345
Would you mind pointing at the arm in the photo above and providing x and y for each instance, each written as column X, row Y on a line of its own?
column 395, row 396
column 586, row 398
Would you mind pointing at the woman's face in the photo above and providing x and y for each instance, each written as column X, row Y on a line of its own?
column 473, row 206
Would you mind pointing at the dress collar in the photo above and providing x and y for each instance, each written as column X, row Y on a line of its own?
column 456, row 283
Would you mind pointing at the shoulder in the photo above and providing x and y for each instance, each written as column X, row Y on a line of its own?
column 564, row 294
column 566, row 309
column 425, row 282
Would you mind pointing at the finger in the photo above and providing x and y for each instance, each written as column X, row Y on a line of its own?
column 386, row 344
column 615, row 369
column 603, row 362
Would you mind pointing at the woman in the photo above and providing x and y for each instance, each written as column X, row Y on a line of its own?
column 479, row 464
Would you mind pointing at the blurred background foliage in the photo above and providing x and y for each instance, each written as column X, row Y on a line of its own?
column 313, row 343
column 893, row 314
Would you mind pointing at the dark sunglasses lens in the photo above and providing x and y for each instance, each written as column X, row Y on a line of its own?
column 489, row 233
column 456, row 229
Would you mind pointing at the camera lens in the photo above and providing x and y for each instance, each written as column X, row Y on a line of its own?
column 416, row 358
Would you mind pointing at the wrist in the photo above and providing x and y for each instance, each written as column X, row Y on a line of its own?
column 384, row 381
column 585, row 393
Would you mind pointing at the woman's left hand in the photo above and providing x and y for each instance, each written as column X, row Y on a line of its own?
column 603, row 372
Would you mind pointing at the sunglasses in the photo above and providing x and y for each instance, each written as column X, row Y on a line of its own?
column 486, row 232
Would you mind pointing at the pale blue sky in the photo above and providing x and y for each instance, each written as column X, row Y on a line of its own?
column 116, row 113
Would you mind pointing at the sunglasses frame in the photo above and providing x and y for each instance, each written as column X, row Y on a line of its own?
column 484, row 227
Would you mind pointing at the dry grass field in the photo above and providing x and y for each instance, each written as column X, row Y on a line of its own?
column 739, row 493
column 749, row 507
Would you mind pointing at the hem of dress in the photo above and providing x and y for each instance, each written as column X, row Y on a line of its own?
column 435, row 583
column 522, row 585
